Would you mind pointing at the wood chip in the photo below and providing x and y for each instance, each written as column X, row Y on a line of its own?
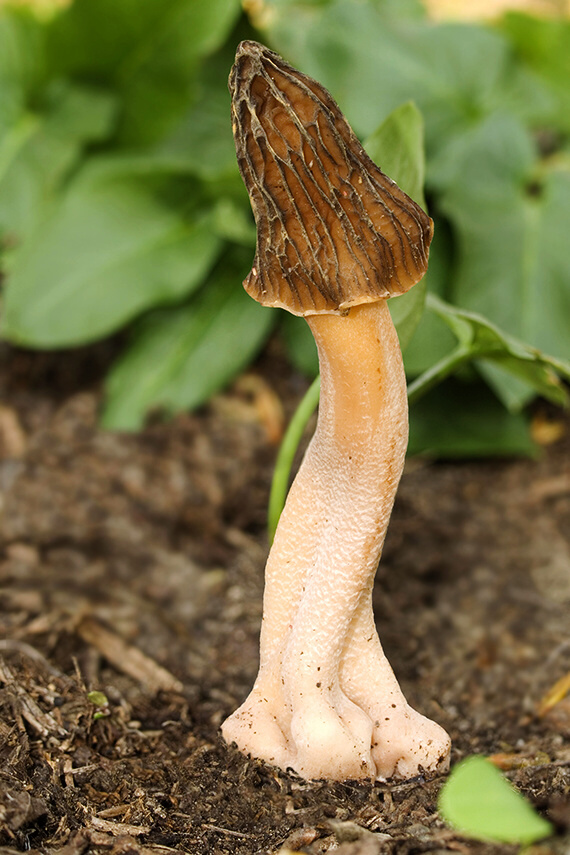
column 266, row 403
column 550, row 488
column 42, row 722
column 554, row 695
column 127, row 658
column 13, row 645
column 12, row 437
column 67, row 769
column 118, row 829
column 229, row 831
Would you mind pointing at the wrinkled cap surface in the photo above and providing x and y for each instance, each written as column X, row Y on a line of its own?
column 332, row 230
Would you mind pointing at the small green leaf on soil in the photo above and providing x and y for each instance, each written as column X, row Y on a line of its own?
column 479, row 801
column 98, row 699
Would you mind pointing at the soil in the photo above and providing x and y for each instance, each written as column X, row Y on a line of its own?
column 131, row 575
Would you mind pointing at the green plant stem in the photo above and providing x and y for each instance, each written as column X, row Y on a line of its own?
column 291, row 440
column 438, row 372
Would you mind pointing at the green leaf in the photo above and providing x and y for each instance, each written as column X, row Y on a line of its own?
column 110, row 40
column 512, row 223
column 150, row 50
column 544, row 45
column 478, row 339
column 273, row 10
column 373, row 61
column 301, row 347
column 397, row 146
column 233, row 222
column 406, row 312
column 110, row 249
column 41, row 148
column 180, row 357
column 504, row 154
column 432, row 339
column 42, row 125
column 203, row 139
column 21, row 54
column 433, row 342
column 513, row 392
column 98, row 699
column 21, row 51
column 464, row 419
column 479, row 801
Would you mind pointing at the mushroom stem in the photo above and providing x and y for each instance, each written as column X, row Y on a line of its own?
column 345, row 488
column 326, row 701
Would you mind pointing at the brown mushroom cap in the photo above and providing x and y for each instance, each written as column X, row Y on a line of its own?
column 332, row 230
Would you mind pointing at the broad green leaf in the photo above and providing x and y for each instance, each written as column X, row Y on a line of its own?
column 112, row 248
column 301, row 347
column 479, row 801
column 464, row 419
column 432, row 342
column 504, row 152
column 233, row 222
column 402, row 8
column 150, row 50
column 512, row 223
column 94, row 38
column 159, row 79
column 202, row 139
column 79, row 112
column 158, row 93
column 479, row 340
column 406, row 312
column 372, row 61
column 116, row 39
column 513, row 392
column 40, row 149
column 397, row 146
column 21, row 52
column 544, row 45
column 181, row 356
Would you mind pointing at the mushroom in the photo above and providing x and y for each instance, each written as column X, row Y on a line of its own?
column 335, row 238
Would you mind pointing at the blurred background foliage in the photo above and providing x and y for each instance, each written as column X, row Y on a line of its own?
column 121, row 206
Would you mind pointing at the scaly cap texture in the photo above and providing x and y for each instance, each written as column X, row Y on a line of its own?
column 332, row 230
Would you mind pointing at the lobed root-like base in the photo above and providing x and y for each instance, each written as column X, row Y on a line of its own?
column 381, row 738
column 357, row 726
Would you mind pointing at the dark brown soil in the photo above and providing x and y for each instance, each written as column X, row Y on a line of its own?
column 133, row 565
